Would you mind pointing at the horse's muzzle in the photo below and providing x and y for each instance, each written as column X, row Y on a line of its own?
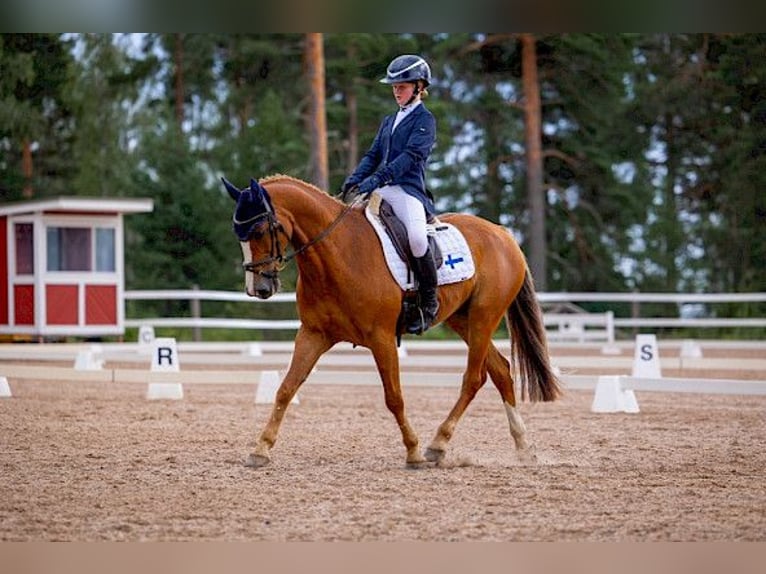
column 262, row 287
column 264, row 293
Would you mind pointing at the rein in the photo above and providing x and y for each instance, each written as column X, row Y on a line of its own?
column 275, row 252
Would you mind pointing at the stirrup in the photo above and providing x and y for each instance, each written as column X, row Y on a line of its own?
column 417, row 323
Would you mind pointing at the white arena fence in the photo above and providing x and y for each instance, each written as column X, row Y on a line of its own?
column 575, row 327
column 423, row 364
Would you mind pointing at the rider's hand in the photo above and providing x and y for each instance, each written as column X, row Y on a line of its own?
column 349, row 187
column 370, row 184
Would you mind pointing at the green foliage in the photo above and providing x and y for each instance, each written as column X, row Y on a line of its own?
column 33, row 74
column 187, row 239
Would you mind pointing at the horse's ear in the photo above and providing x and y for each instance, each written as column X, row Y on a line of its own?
column 231, row 188
column 261, row 192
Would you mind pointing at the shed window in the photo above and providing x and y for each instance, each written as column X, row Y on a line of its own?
column 69, row 249
column 105, row 249
column 25, row 253
column 81, row 249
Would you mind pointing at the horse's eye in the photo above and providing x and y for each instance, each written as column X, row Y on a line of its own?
column 258, row 231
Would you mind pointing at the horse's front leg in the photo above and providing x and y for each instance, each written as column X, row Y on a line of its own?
column 387, row 361
column 309, row 346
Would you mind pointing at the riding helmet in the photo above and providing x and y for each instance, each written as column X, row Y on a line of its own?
column 407, row 68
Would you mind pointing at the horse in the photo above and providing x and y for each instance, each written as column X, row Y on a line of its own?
column 345, row 293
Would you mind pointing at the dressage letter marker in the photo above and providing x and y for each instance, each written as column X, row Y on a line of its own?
column 690, row 349
column 254, row 350
column 646, row 359
column 164, row 361
column 145, row 338
column 86, row 360
column 5, row 388
column 610, row 397
column 266, row 393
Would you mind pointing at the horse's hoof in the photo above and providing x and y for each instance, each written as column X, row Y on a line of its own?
column 434, row 455
column 418, row 464
column 257, row 461
column 527, row 457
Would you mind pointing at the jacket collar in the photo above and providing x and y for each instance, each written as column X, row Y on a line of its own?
column 408, row 118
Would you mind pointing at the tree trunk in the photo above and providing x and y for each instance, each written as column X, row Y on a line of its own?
column 352, row 159
column 672, row 235
column 317, row 120
column 532, row 137
column 178, row 63
column 26, row 168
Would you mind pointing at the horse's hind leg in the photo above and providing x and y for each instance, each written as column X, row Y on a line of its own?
column 309, row 347
column 499, row 370
column 473, row 379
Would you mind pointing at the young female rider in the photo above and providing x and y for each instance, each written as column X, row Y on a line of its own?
column 395, row 166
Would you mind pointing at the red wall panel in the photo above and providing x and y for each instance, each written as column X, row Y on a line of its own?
column 61, row 304
column 24, row 303
column 100, row 305
column 4, row 271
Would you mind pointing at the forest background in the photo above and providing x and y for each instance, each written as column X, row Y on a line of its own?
column 622, row 162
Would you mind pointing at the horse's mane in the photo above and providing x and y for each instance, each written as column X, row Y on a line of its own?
column 281, row 177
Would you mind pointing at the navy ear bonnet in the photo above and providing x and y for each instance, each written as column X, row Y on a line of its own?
column 253, row 208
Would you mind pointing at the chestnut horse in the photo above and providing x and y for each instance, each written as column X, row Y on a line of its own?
column 345, row 292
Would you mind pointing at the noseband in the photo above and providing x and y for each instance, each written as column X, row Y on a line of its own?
column 275, row 250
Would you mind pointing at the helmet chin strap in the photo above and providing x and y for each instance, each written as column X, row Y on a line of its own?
column 415, row 94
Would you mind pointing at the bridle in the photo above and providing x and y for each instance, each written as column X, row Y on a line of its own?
column 276, row 253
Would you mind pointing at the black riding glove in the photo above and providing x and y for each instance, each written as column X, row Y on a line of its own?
column 370, row 184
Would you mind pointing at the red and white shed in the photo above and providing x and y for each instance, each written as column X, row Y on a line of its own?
column 62, row 266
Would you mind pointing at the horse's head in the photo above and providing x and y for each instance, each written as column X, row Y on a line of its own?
column 255, row 225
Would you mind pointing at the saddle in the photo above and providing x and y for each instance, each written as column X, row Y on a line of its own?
column 452, row 256
column 457, row 266
column 398, row 234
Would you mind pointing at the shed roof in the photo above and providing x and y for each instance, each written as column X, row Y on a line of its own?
column 80, row 205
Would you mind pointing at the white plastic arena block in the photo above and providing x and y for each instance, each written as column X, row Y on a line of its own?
column 86, row 361
column 254, row 350
column 690, row 349
column 611, row 349
column 164, row 360
column 165, row 355
column 646, row 357
column 266, row 392
column 145, row 338
column 610, row 397
column 5, row 388
column 168, row 391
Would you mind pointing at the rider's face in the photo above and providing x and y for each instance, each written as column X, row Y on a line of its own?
column 403, row 92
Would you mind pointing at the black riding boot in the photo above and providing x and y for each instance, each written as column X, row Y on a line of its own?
column 425, row 273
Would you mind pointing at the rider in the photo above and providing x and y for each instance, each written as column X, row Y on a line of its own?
column 395, row 166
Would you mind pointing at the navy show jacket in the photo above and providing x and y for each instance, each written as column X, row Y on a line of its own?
column 399, row 158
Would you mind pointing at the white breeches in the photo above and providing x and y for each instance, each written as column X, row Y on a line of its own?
column 412, row 213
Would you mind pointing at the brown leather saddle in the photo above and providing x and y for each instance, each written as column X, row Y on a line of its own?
column 398, row 234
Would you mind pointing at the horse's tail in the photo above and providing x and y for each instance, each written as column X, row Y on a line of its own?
column 529, row 346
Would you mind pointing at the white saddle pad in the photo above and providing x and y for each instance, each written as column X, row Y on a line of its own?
column 458, row 261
